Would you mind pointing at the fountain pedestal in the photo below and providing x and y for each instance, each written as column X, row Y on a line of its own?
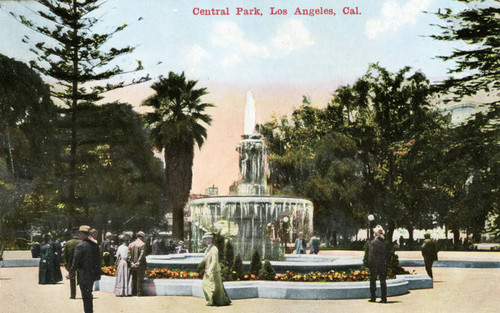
column 252, row 220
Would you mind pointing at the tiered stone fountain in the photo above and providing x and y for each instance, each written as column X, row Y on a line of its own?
column 252, row 219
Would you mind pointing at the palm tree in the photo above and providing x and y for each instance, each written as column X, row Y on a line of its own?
column 177, row 124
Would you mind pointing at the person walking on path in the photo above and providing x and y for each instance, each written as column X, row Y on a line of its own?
column 122, row 283
column 138, row 263
column 377, row 263
column 68, row 255
column 87, row 265
column 46, row 270
column 212, row 285
column 430, row 251
column 300, row 245
column 314, row 243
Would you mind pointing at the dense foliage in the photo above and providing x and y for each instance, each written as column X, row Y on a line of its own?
column 80, row 60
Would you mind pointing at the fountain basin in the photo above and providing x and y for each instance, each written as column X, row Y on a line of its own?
column 274, row 290
column 251, row 223
column 302, row 264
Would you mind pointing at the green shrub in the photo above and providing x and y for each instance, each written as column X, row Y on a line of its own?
column 237, row 270
column 226, row 273
column 256, row 263
column 391, row 258
column 267, row 272
column 219, row 243
column 228, row 255
column 200, row 269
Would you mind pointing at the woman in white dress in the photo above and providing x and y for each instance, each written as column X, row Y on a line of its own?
column 123, row 285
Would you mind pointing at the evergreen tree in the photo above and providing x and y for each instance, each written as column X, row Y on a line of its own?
column 237, row 269
column 478, row 27
column 228, row 254
column 267, row 272
column 476, row 70
column 255, row 263
column 76, row 58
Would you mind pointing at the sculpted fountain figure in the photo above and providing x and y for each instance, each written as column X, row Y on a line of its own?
column 252, row 220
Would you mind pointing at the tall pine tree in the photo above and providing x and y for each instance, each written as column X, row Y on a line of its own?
column 76, row 58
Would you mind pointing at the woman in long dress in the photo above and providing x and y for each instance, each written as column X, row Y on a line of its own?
column 123, row 285
column 212, row 285
column 46, row 273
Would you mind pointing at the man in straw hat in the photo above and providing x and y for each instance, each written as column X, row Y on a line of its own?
column 212, row 285
column 138, row 263
column 378, row 265
column 87, row 265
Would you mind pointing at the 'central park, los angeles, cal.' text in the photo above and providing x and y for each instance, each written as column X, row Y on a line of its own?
column 275, row 11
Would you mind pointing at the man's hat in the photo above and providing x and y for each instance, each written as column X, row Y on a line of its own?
column 181, row 242
column 141, row 234
column 208, row 235
column 93, row 231
column 84, row 229
column 125, row 236
column 108, row 234
column 379, row 230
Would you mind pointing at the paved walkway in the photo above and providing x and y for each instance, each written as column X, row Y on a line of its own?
column 455, row 290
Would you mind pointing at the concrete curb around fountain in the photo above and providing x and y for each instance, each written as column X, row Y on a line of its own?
column 294, row 263
column 276, row 289
column 452, row 263
column 307, row 263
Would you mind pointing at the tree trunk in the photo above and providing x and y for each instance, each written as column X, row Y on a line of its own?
column 9, row 149
column 390, row 231
column 178, row 180
column 410, row 237
column 456, row 237
column 74, row 140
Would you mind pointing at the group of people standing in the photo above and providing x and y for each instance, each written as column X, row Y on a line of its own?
column 161, row 247
column 301, row 244
column 130, row 265
column 50, row 254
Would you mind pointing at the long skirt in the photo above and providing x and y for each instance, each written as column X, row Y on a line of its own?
column 214, row 290
column 123, row 285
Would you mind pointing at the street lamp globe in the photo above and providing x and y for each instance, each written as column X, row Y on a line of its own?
column 371, row 217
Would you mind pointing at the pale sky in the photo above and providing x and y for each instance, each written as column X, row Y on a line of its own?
column 278, row 57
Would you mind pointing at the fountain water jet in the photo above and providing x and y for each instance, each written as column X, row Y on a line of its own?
column 252, row 219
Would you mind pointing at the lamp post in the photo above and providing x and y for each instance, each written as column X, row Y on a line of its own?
column 285, row 230
column 369, row 234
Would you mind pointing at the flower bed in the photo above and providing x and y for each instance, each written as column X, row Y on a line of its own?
column 331, row 276
column 159, row 273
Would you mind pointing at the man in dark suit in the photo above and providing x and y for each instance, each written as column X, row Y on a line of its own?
column 377, row 263
column 138, row 263
column 430, row 251
column 87, row 264
column 68, row 255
